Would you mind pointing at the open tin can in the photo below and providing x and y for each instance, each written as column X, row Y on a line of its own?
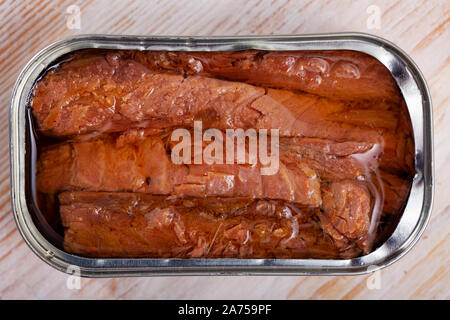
column 410, row 227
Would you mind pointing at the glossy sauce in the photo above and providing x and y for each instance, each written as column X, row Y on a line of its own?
column 324, row 104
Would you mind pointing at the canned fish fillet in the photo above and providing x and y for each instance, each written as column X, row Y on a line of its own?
column 250, row 160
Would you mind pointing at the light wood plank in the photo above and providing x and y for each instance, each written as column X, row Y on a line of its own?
column 421, row 28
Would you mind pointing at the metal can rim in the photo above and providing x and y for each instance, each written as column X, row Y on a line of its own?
column 411, row 226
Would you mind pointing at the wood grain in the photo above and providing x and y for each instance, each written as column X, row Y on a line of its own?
column 421, row 28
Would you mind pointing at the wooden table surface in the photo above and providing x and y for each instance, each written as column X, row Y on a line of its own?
column 421, row 28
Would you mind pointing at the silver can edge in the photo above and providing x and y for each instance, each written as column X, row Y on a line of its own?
column 411, row 226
